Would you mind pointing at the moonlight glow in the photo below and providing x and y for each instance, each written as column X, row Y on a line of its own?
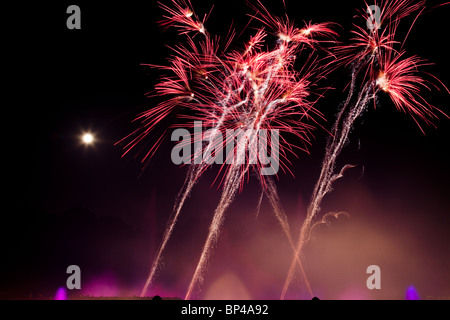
column 88, row 138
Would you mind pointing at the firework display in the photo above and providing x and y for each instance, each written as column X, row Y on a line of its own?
column 244, row 91
column 267, row 153
column 257, row 88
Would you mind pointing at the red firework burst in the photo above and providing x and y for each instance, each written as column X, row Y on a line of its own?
column 373, row 52
column 248, row 89
column 182, row 17
column 287, row 32
column 400, row 78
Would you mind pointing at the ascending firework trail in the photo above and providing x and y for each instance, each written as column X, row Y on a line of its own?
column 377, row 65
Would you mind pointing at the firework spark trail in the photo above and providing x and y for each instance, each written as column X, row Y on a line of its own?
column 235, row 175
column 327, row 175
column 382, row 68
column 189, row 182
column 258, row 207
column 191, row 178
column 272, row 194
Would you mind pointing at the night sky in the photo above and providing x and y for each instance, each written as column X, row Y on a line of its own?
column 69, row 203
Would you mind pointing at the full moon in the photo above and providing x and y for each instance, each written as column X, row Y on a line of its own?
column 88, row 138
